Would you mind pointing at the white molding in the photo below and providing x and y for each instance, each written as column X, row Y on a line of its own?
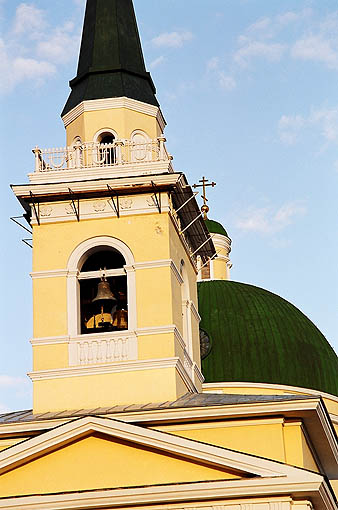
column 51, row 340
column 223, row 495
column 108, row 130
column 284, row 387
column 194, row 311
column 187, row 449
column 108, row 368
column 114, row 103
column 151, row 264
column 197, row 373
column 56, row 273
column 84, row 184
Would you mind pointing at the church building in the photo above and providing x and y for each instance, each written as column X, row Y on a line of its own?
column 158, row 383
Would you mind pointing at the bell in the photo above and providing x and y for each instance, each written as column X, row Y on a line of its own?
column 120, row 320
column 103, row 292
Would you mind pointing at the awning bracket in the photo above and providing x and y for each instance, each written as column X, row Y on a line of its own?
column 75, row 204
column 15, row 220
column 114, row 196
column 36, row 207
column 157, row 197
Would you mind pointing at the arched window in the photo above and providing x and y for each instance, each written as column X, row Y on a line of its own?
column 105, row 141
column 101, row 287
column 103, row 292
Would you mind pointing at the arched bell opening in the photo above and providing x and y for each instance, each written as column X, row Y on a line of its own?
column 103, row 292
column 107, row 149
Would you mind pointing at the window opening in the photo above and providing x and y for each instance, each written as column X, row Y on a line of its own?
column 103, row 293
column 107, row 153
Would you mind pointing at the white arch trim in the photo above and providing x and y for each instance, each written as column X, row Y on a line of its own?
column 73, row 288
column 105, row 130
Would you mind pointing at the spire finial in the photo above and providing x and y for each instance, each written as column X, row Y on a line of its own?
column 204, row 184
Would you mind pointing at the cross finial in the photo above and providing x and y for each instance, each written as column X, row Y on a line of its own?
column 204, row 184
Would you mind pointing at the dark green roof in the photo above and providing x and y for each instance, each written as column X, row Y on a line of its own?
column 215, row 228
column 260, row 337
column 111, row 61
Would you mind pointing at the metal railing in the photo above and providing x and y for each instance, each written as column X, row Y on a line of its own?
column 95, row 155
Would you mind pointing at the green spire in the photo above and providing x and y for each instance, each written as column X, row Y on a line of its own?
column 111, row 61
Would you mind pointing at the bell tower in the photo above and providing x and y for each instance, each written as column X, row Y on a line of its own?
column 116, row 237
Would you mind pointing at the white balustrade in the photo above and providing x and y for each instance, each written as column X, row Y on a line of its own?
column 95, row 155
column 103, row 348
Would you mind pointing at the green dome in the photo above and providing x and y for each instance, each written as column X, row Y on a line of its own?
column 257, row 336
column 215, row 228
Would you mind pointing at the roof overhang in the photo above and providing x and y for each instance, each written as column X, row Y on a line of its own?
column 311, row 411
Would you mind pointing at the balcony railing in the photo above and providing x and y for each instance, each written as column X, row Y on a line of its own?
column 103, row 348
column 95, row 155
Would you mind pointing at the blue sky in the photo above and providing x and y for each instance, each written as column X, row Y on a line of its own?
column 249, row 89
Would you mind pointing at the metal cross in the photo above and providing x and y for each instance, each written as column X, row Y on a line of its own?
column 204, row 184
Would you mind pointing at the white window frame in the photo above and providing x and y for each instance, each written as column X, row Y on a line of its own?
column 76, row 261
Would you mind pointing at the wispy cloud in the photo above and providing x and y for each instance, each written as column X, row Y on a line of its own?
column 29, row 19
column 254, row 49
column 224, row 80
column 323, row 120
column 172, row 39
column 157, row 62
column 9, row 381
column 289, row 127
column 267, row 220
column 31, row 51
column 317, row 48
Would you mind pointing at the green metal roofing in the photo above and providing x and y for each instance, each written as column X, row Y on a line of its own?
column 111, row 61
column 260, row 337
column 215, row 228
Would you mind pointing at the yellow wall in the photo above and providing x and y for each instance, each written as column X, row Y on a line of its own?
column 270, row 438
column 107, row 389
column 121, row 120
column 98, row 462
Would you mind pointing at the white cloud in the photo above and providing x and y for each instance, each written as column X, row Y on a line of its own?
column 9, row 381
column 325, row 120
column 157, row 62
column 289, row 128
column 28, row 18
column 172, row 39
column 4, row 409
column 213, row 64
column 259, row 25
column 19, row 69
column 254, row 49
column 224, row 80
column 266, row 220
column 316, row 48
column 62, row 44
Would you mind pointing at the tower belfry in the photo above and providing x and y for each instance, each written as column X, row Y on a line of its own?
column 116, row 238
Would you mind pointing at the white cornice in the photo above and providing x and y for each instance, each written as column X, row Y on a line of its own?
column 187, row 449
column 56, row 273
column 100, row 184
column 108, row 368
column 160, row 263
column 219, row 493
column 112, row 104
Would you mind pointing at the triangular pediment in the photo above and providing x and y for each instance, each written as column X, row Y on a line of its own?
column 98, row 453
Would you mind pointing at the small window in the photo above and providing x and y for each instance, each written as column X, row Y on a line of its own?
column 103, row 292
column 107, row 151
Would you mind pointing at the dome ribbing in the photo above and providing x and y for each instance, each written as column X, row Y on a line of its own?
column 260, row 337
